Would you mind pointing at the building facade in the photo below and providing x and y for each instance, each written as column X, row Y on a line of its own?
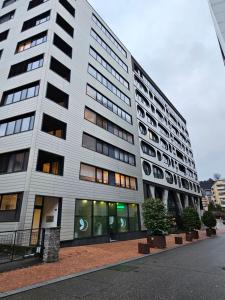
column 218, row 192
column 217, row 9
column 85, row 133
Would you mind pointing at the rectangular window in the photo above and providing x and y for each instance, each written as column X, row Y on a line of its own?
column 7, row 17
column 10, row 207
column 62, row 45
column 4, row 35
column 93, row 93
column 50, row 163
column 17, row 124
column 20, row 93
column 54, row 126
column 104, row 123
column 60, row 69
column 33, row 41
column 56, row 95
column 14, row 161
column 68, row 7
column 83, row 219
column 87, row 173
column 108, row 67
column 110, row 86
column 1, row 51
column 42, row 18
column 64, row 25
column 26, row 66
column 7, row 3
column 97, row 145
column 109, row 35
column 109, row 50
column 34, row 3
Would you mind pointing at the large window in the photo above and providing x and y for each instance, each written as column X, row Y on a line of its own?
column 34, row 3
column 158, row 172
column 32, row 42
column 147, row 149
column 14, row 161
column 62, row 45
column 99, row 218
column 54, row 127
column 56, row 95
column 64, row 25
column 4, row 35
column 104, row 148
column 60, row 69
column 108, row 50
column 108, row 104
column 16, row 125
column 20, row 93
column 50, row 163
column 40, row 19
column 109, row 85
column 7, row 3
column 102, row 122
column 99, row 175
column 7, row 17
column 68, row 7
column 108, row 67
column 109, row 35
column 10, row 206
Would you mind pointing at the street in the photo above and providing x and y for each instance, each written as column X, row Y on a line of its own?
column 195, row 271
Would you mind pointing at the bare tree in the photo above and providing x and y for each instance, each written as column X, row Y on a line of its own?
column 217, row 176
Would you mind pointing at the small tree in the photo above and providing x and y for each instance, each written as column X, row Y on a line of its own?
column 155, row 216
column 191, row 219
column 208, row 219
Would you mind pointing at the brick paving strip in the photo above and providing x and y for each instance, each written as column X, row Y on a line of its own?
column 75, row 261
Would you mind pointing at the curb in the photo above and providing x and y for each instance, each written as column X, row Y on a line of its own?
column 74, row 275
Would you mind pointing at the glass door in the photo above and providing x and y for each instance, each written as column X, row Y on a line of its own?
column 112, row 220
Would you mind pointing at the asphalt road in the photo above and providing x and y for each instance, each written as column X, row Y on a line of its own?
column 191, row 272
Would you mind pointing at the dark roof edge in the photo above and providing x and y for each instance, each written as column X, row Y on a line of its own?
column 158, row 90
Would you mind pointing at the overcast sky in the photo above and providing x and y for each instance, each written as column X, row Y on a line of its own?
column 175, row 42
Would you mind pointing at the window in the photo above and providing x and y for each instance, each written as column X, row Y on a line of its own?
column 140, row 85
column 54, row 127
column 108, row 67
column 16, row 125
column 110, row 86
column 108, row 104
column 10, row 207
column 122, row 217
column 7, row 3
column 164, row 144
column 68, row 7
column 83, row 219
column 157, row 172
column 14, row 161
column 151, row 120
column 20, row 93
column 32, row 42
column 109, row 35
column 1, row 51
column 159, row 103
column 50, row 163
column 40, row 19
column 4, row 35
column 34, row 3
column 100, row 218
column 163, row 130
column 7, row 17
column 153, row 136
column 62, row 45
column 142, row 99
column 166, row 160
column 104, row 148
column 185, row 183
column 60, row 69
column 64, row 25
column 26, row 65
column 87, row 173
column 169, row 177
column 146, row 167
column 140, row 111
column 57, row 95
column 147, row 149
column 102, row 122
column 108, row 50
column 142, row 129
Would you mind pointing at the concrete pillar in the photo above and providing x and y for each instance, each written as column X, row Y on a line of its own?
column 165, row 198
column 152, row 191
column 193, row 202
column 198, row 206
column 51, row 244
column 186, row 202
column 180, row 207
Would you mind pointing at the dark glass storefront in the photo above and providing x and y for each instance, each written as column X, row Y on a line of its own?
column 99, row 218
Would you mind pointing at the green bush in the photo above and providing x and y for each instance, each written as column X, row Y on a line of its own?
column 208, row 219
column 155, row 216
column 190, row 219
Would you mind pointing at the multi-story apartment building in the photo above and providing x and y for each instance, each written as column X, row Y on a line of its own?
column 206, row 189
column 218, row 192
column 85, row 133
column 217, row 9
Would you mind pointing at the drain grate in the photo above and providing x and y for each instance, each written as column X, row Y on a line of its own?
column 124, row 268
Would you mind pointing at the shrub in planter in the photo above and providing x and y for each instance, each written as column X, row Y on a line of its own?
column 209, row 220
column 156, row 221
column 191, row 220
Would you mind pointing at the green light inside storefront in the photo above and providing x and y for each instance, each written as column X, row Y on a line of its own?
column 120, row 206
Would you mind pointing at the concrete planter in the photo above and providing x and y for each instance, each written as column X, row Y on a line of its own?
column 213, row 231
column 150, row 241
column 159, row 241
column 143, row 248
column 208, row 232
column 195, row 234
column 178, row 240
column 189, row 236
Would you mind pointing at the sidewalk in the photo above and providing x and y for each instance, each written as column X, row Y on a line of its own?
column 79, row 259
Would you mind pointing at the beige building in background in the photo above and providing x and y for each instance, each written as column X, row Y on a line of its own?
column 218, row 192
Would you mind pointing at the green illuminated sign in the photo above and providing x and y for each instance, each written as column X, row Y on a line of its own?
column 120, row 206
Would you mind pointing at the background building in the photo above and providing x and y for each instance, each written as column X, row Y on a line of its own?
column 207, row 195
column 82, row 126
column 217, row 9
column 218, row 192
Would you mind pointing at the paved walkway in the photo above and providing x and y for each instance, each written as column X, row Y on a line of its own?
column 75, row 260
column 194, row 272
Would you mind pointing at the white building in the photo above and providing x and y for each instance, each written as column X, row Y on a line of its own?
column 82, row 127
